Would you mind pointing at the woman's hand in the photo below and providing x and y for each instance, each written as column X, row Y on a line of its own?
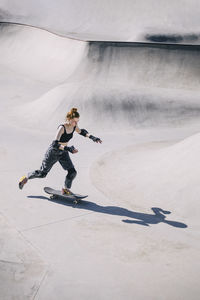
column 75, row 151
column 95, row 139
column 71, row 149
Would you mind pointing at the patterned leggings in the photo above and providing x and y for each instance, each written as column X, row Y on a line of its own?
column 51, row 157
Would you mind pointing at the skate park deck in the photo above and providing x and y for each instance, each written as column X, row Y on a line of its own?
column 137, row 234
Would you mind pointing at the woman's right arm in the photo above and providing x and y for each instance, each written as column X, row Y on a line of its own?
column 59, row 133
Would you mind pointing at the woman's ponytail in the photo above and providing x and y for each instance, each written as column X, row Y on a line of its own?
column 73, row 113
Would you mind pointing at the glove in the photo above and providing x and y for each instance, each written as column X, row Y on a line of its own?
column 69, row 149
column 95, row 139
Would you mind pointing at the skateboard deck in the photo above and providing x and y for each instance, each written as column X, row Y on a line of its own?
column 57, row 193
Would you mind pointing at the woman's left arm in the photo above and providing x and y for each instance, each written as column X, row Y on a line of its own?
column 85, row 133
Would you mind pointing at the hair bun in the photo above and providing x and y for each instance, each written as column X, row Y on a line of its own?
column 72, row 114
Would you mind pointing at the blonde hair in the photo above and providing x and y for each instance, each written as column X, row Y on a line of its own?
column 73, row 113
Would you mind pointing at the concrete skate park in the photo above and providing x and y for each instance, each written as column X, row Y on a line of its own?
column 132, row 68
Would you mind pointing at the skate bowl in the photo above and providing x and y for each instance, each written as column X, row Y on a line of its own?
column 126, row 84
column 137, row 88
column 125, row 21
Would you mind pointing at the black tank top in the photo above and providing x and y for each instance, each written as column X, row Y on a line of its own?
column 65, row 137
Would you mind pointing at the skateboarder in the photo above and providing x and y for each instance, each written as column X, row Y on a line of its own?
column 59, row 151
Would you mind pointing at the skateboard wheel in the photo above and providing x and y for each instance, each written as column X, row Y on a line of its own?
column 75, row 201
column 52, row 197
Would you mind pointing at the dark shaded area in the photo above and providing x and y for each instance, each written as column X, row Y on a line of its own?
column 102, row 46
column 171, row 38
column 143, row 219
column 161, row 38
column 119, row 102
column 140, row 109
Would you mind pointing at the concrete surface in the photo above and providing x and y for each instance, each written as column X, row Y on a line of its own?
column 137, row 235
column 149, row 21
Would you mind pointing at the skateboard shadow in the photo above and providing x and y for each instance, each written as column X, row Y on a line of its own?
column 139, row 218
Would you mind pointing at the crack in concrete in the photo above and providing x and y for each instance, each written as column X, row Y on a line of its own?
column 11, row 262
column 41, row 282
column 59, row 221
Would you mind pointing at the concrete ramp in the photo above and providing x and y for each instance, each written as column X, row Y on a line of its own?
column 114, row 20
column 120, row 84
column 137, row 235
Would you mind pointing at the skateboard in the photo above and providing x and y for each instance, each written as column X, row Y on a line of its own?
column 58, row 194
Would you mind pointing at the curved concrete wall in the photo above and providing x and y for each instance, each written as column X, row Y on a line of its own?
column 115, row 20
column 114, row 85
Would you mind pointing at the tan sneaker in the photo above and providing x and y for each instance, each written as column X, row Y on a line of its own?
column 23, row 180
column 66, row 192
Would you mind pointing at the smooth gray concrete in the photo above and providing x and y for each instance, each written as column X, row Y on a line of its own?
column 136, row 236
column 114, row 20
column 22, row 268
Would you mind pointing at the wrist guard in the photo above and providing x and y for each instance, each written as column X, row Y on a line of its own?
column 69, row 149
column 94, row 138
column 83, row 132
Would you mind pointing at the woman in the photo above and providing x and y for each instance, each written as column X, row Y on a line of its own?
column 59, row 151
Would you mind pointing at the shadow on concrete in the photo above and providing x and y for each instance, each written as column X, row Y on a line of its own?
column 172, row 38
column 144, row 219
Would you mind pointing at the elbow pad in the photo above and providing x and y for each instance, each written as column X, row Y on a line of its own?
column 83, row 132
column 55, row 144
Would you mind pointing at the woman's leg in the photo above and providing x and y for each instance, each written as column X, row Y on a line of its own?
column 51, row 157
column 67, row 164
